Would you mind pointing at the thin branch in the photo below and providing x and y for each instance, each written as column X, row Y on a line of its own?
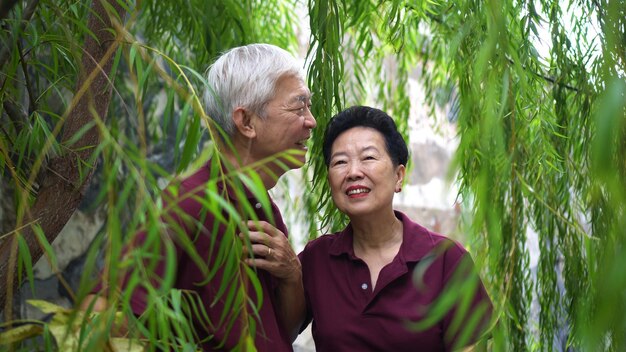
column 26, row 16
column 5, row 8
column 6, row 134
column 17, row 116
column 601, row 15
column 553, row 80
column 15, row 113
column 547, row 78
column 29, row 88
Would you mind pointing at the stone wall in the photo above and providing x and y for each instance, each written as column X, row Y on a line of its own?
column 57, row 285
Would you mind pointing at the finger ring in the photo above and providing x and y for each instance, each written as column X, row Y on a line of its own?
column 269, row 251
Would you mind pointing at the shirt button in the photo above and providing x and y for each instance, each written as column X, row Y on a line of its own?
column 257, row 205
column 364, row 286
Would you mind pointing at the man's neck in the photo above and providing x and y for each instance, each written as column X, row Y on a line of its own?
column 243, row 160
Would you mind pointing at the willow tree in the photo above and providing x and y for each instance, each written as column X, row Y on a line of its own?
column 538, row 89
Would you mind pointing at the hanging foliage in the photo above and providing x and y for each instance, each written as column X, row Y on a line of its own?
column 537, row 89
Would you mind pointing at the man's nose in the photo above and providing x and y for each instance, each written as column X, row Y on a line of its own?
column 309, row 120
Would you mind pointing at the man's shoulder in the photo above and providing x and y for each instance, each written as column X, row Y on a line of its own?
column 195, row 179
column 184, row 191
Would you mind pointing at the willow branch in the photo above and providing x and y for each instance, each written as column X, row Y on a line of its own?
column 29, row 88
column 5, row 8
column 91, row 101
column 26, row 16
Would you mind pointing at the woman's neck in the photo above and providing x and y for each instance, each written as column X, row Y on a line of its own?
column 375, row 234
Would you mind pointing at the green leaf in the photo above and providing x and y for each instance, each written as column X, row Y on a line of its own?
column 47, row 248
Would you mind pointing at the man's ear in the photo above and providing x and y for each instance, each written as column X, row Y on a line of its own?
column 244, row 122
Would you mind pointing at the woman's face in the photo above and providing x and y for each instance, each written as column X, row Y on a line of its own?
column 361, row 174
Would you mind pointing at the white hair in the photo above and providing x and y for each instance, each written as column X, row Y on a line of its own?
column 246, row 77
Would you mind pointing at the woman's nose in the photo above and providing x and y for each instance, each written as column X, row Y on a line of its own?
column 354, row 171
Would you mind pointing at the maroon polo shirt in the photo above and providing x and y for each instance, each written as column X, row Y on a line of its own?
column 348, row 316
column 270, row 336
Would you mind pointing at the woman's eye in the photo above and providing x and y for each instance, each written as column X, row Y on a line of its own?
column 339, row 162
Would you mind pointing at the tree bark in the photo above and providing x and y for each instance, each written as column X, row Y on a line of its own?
column 63, row 187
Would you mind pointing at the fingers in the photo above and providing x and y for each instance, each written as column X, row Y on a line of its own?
column 271, row 250
column 261, row 232
column 260, row 251
column 259, row 237
column 264, row 226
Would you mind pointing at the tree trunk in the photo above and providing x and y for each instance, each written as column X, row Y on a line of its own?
column 63, row 187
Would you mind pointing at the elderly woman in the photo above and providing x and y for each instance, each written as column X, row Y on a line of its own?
column 366, row 285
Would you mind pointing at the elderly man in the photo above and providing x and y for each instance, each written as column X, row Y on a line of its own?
column 257, row 98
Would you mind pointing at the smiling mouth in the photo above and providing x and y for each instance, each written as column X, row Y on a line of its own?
column 302, row 144
column 357, row 191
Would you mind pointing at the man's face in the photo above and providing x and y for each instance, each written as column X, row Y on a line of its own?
column 286, row 125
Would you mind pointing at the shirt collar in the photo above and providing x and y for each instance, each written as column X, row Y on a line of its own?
column 232, row 183
column 417, row 241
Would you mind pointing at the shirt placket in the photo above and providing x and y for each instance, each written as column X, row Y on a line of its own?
column 387, row 275
column 360, row 282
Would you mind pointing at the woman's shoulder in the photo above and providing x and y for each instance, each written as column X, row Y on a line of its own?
column 425, row 239
column 319, row 249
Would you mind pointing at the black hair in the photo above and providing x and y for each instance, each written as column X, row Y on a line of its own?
column 365, row 116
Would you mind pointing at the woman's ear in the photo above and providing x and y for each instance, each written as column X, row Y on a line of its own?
column 244, row 122
column 400, row 173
